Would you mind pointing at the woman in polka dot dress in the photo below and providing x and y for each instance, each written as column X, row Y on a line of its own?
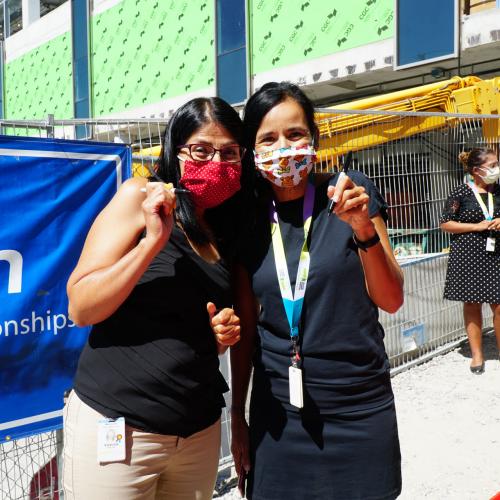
column 472, row 216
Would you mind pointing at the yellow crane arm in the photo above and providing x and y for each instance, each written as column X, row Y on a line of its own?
column 340, row 133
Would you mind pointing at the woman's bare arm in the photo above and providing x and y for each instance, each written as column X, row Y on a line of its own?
column 113, row 259
column 384, row 277
column 241, row 366
column 455, row 227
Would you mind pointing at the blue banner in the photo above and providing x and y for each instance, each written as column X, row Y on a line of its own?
column 51, row 192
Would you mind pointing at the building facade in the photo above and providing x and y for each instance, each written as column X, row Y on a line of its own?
column 143, row 58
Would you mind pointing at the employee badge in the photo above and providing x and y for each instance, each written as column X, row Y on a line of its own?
column 111, row 439
column 490, row 244
column 296, row 390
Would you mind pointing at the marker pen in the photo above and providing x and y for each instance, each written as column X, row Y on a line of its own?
column 333, row 201
column 172, row 190
column 168, row 186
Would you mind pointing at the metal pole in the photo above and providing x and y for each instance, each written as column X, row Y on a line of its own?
column 59, row 460
column 50, row 126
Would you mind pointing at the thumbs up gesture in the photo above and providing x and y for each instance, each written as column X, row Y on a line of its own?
column 225, row 325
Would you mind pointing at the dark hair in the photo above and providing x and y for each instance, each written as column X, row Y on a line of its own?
column 474, row 158
column 266, row 98
column 184, row 123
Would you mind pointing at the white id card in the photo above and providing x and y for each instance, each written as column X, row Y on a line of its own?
column 490, row 244
column 111, row 440
column 296, row 393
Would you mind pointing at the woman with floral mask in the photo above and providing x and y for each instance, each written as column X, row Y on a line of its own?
column 472, row 216
column 154, row 281
column 322, row 415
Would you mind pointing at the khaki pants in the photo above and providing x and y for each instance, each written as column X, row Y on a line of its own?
column 156, row 466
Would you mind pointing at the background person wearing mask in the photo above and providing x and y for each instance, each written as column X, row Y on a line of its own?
column 472, row 215
column 322, row 415
column 153, row 270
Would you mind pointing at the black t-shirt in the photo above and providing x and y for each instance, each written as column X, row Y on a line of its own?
column 344, row 363
column 154, row 361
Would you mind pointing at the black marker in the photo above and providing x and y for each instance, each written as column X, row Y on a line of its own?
column 167, row 186
column 173, row 190
column 347, row 162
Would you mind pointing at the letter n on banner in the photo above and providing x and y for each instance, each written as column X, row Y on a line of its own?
column 52, row 190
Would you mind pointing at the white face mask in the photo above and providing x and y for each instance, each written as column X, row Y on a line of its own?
column 286, row 167
column 492, row 174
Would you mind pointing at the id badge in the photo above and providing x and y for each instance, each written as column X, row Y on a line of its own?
column 296, row 392
column 111, row 439
column 490, row 244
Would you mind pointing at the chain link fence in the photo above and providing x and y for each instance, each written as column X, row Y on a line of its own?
column 411, row 157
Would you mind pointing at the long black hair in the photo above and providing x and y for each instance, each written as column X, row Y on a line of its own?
column 266, row 98
column 223, row 219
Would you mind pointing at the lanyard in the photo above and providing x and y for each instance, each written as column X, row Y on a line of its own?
column 488, row 213
column 293, row 302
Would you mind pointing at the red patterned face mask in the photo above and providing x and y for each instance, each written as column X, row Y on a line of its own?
column 211, row 182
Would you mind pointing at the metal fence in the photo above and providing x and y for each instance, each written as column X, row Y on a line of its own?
column 411, row 157
column 29, row 468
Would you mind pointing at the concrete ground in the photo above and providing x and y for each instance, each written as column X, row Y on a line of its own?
column 449, row 428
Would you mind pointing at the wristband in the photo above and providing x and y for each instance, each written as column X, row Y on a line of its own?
column 364, row 245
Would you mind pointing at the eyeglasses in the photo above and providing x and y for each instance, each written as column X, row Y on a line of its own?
column 205, row 152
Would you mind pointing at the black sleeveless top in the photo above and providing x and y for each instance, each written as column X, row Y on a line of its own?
column 154, row 361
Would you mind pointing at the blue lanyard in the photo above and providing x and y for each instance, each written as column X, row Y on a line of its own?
column 293, row 302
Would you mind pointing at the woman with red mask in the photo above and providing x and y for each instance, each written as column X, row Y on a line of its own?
column 143, row 419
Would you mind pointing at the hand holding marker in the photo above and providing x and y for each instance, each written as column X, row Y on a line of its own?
column 168, row 187
column 334, row 199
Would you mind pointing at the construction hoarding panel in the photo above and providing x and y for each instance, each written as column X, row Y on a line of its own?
column 52, row 191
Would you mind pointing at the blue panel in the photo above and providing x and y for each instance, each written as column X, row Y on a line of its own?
column 230, row 25
column 231, row 76
column 231, row 51
column 2, row 22
column 56, row 188
column 426, row 30
column 15, row 16
column 81, row 81
column 81, row 107
column 81, row 88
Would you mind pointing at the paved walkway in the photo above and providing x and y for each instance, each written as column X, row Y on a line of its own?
column 449, row 427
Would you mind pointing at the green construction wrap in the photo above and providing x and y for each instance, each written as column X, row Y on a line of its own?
column 39, row 82
column 285, row 32
column 145, row 51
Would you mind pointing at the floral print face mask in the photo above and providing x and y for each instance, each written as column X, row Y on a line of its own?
column 286, row 167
